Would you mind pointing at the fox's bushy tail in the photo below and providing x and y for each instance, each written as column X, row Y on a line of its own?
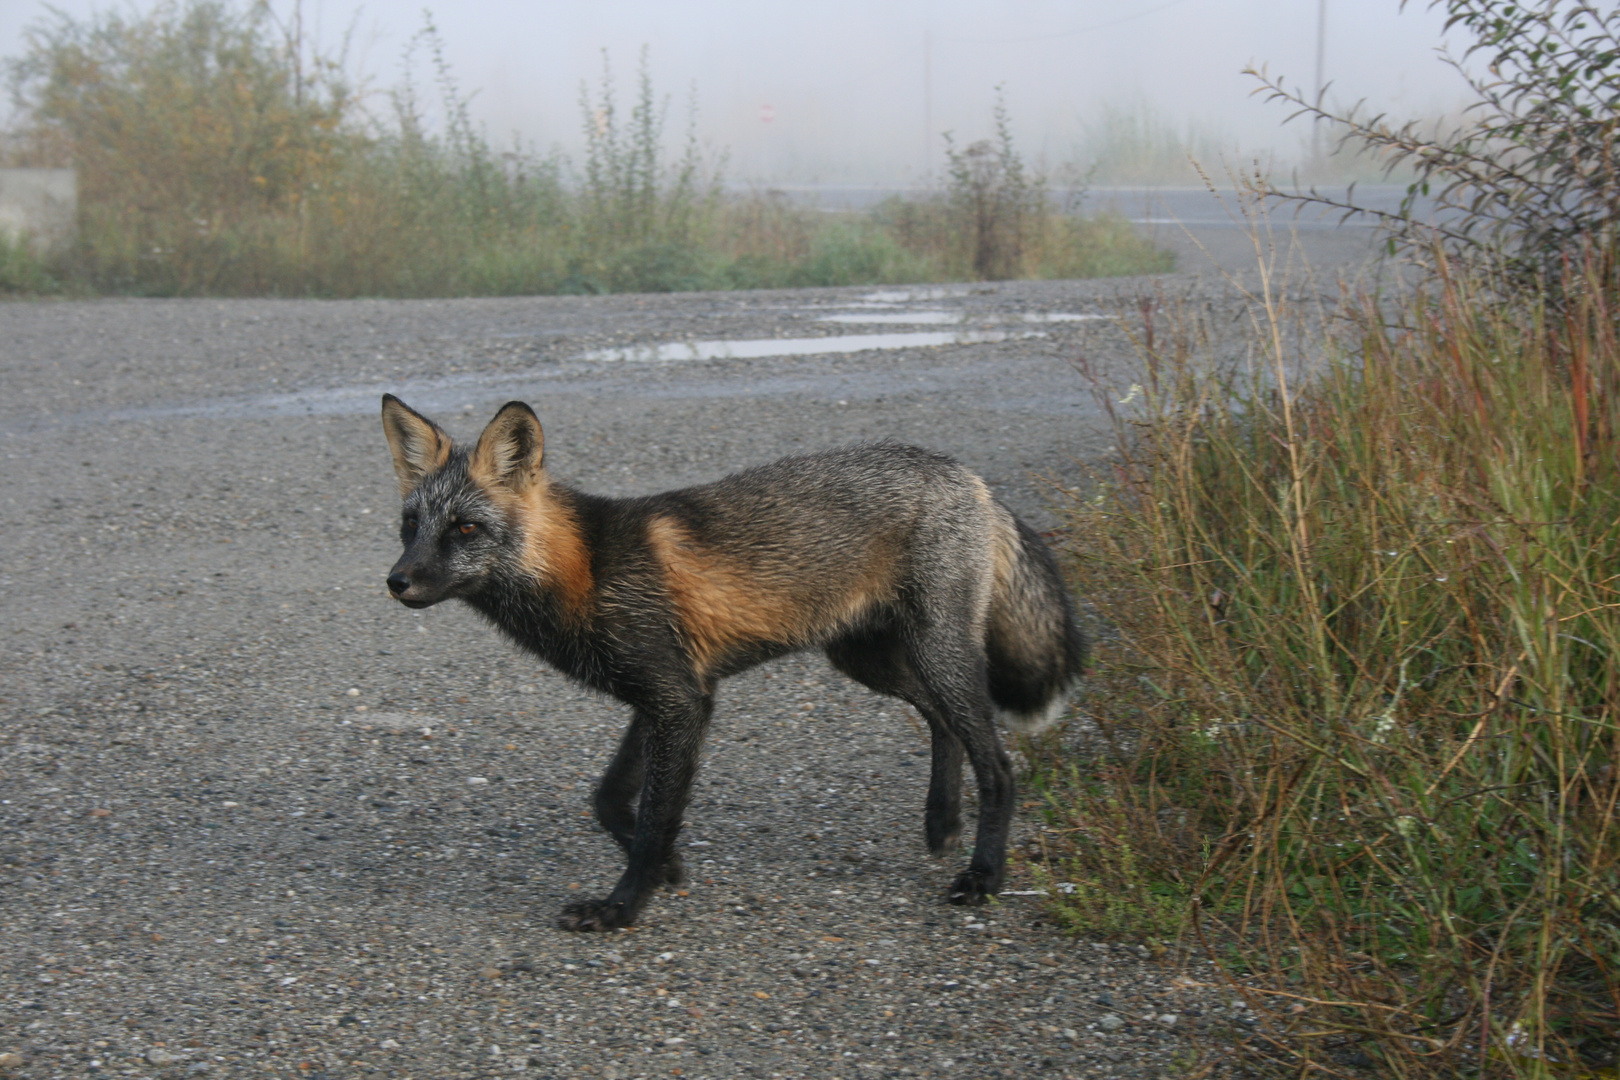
column 1033, row 641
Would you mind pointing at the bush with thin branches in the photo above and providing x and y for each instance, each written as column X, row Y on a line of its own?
column 1533, row 169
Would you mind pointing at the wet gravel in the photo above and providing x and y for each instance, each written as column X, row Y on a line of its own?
column 258, row 820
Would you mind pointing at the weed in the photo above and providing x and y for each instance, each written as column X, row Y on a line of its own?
column 21, row 270
column 1130, row 143
column 995, row 206
column 1369, row 574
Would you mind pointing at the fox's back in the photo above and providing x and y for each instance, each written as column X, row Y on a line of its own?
column 796, row 551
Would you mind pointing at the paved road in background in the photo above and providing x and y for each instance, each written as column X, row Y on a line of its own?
column 1208, row 230
column 258, row 820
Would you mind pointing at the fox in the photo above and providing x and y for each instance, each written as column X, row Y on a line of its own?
column 897, row 562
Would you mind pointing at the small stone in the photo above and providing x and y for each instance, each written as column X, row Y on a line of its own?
column 477, row 781
column 10, row 1060
column 101, row 811
column 230, row 804
column 1110, row 1022
column 388, row 1044
column 1169, row 1019
column 353, row 691
column 159, row 1056
column 490, row 972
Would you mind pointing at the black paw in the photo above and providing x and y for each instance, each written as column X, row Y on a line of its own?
column 973, row 887
column 674, row 871
column 945, row 839
column 590, row 915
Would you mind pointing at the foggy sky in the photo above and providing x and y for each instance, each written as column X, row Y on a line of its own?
column 845, row 81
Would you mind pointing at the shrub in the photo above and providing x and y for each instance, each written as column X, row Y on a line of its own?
column 1534, row 170
column 996, row 208
column 194, row 134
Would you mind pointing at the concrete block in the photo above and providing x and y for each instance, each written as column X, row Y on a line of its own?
column 41, row 205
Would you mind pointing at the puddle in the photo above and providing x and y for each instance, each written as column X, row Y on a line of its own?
column 918, row 318
column 912, row 318
column 765, row 347
column 906, row 296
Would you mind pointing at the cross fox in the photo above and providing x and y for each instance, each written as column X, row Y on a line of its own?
column 896, row 561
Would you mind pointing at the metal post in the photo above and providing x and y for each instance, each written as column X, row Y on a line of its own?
column 1321, row 86
column 928, row 103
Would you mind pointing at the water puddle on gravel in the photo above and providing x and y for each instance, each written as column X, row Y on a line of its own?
column 909, row 296
column 757, row 348
column 923, row 318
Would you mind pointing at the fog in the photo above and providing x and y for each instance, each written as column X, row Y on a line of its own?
column 840, row 92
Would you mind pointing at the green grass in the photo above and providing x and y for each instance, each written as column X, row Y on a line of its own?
column 22, row 272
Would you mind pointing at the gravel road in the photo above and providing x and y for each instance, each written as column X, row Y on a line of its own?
column 258, row 820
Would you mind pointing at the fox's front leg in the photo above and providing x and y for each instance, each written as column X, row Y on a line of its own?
column 671, row 738
column 616, row 793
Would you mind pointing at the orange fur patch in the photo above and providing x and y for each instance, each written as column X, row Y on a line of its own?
column 720, row 605
column 723, row 604
column 554, row 550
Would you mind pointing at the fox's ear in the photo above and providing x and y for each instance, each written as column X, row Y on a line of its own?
column 419, row 445
column 511, row 450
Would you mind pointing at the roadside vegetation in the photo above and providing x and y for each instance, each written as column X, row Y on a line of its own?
column 218, row 156
column 1361, row 731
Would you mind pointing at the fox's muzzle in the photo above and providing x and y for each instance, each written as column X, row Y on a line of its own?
column 408, row 590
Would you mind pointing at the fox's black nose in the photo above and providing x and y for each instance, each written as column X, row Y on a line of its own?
column 398, row 583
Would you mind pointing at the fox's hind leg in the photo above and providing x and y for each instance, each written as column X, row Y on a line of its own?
column 617, row 790
column 877, row 658
column 942, row 816
column 956, row 691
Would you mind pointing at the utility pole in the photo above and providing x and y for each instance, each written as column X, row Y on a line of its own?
column 928, row 100
column 298, row 54
column 1321, row 85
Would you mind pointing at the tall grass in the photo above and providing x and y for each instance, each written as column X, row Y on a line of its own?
column 1129, row 142
column 22, row 271
column 1373, row 604
column 217, row 156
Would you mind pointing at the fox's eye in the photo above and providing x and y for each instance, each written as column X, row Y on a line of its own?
column 410, row 523
column 467, row 528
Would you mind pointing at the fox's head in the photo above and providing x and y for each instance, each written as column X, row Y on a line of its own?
column 472, row 515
